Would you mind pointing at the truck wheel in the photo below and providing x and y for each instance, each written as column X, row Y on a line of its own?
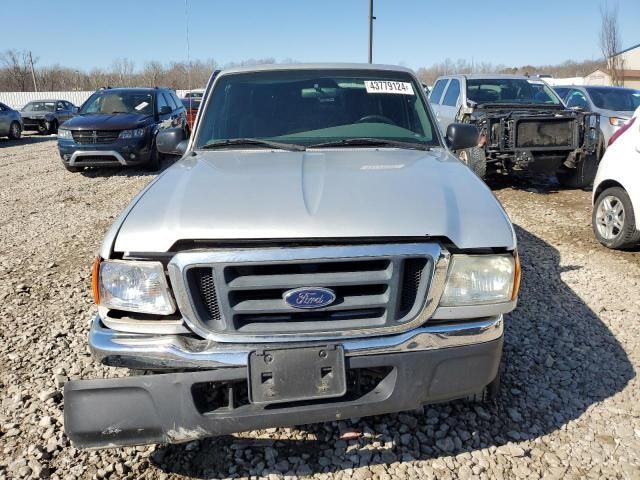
column 15, row 131
column 153, row 164
column 489, row 394
column 475, row 159
column 613, row 219
column 54, row 127
column 582, row 176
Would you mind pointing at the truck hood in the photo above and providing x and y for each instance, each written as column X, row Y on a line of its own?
column 102, row 121
column 338, row 193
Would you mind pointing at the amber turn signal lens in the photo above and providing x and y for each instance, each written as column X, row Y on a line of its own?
column 517, row 275
column 95, row 280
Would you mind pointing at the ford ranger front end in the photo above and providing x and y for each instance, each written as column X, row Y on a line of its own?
column 330, row 263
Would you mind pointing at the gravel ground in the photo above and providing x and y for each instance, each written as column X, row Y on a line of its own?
column 569, row 405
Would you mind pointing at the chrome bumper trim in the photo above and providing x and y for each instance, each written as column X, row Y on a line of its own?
column 181, row 351
column 93, row 153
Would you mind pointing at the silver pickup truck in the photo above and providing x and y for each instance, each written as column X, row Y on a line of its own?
column 318, row 253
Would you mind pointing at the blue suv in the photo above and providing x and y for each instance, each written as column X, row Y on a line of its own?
column 118, row 127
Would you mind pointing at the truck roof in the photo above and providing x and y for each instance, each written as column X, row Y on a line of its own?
column 316, row 66
column 491, row 76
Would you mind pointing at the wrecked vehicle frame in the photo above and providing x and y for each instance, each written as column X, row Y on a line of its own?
column 519, row 133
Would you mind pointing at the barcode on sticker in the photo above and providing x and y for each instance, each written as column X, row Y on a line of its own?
column 388, row 86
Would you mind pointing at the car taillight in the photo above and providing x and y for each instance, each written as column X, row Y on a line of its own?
column 623, row 129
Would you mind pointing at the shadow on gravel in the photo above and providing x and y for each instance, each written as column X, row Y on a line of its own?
column 535, row 183
column 531, row 183
column 116, row 171
column 27, row 140
column 559, row 359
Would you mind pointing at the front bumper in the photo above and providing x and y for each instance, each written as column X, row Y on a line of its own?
column 35, row 123
column 120, row 153
column 429, row 364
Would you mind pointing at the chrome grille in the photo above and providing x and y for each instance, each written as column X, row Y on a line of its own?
column 95, row 136
column 378, row 288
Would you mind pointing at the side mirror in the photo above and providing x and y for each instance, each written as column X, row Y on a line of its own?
column 171, row 141
column 461, row 135
column 165, row 110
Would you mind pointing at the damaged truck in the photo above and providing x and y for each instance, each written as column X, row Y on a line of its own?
column 523, row 124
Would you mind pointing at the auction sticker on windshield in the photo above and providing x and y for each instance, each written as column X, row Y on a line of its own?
column 388, row 86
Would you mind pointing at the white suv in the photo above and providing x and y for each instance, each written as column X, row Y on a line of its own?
column 616, row 189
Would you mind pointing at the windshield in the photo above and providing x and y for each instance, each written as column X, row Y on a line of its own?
column 40, row 107
column 619, row 99
column 511, row 90
column 311, row 107
column 106, row 101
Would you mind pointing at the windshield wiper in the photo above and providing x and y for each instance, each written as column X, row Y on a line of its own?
column 230, row 142
column 373, row 142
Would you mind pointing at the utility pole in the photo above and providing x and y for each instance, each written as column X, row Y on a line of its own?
column 371, row 19
column 186, row 22
column 33, row 73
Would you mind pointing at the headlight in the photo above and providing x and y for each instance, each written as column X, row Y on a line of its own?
column 133, row 286
column 481, row 279
column 137, row 133
column 617, row 121
column 63, row 133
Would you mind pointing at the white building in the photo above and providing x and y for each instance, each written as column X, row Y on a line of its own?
column 630, row 66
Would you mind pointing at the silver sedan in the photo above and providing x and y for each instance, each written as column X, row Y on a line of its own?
column 10, row 122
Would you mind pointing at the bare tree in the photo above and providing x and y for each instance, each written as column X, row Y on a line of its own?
column 153, row 74
column 17, row 69
column 610, row 42
column 123, row 70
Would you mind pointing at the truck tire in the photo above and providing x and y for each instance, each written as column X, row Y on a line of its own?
column 15, row 131
column 614, row 221
column 475, row 159
column 53, row 129
column 580, row 177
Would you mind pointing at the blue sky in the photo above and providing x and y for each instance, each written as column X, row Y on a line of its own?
column 88, row 34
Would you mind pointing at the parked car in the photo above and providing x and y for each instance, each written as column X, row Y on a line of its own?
column 615, row 105
column 197, row 93
column 523, row 123
column 118, row 127
column 191, row 106
column 192, row 100
column 317, row 253
column 45, row 116
column 10, row 122
column 616, row 189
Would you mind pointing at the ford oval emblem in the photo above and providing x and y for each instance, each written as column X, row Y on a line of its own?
column 309, row 297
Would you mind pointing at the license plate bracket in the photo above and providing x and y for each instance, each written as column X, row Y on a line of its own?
column 294, row 374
